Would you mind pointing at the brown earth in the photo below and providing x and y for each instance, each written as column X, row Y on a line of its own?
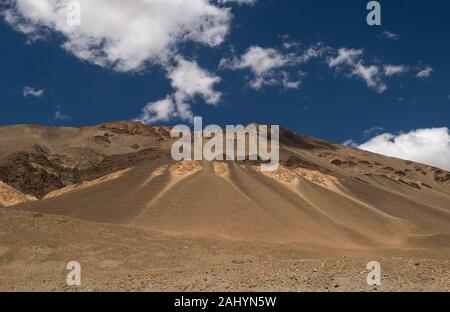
column 112, row 198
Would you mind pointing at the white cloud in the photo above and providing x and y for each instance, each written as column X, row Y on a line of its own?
column 350, row 143
column 371, row 75
column 30, row 91
column 390, row 35
column 315, row 51
column 350, row 61
column 288, row 83
column 262, row 62
column 188, row 81
column 351, row 58
column 127, row 36
column 367, row 132
column 123, row 35
column 391, row 70
column 162, row 110
column 16, row 21
column 59, row 115
column 288, row 43
column 425, row 72
column 428, row 146
column 266, row 64
column 345, row 56
column 259, row 60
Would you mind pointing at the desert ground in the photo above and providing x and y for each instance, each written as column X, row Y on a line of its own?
column 111, row 198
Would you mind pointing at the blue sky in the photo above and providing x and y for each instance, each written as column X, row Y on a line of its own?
column 42, row 82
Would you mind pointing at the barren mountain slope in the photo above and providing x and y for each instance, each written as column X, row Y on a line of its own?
column 112, row 197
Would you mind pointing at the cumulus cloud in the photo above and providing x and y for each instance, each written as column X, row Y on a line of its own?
column 162, row 110
column 425, row 72
column 188, row 81
column 266, row 65
column 428, row 146
column 30, row 91
column 262, row 62
column 123, row 35
column 128, row 36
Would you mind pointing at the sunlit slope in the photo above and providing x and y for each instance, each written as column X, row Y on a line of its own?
column 321, row 195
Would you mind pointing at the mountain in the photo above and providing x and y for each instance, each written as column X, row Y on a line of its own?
column 111, row 197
